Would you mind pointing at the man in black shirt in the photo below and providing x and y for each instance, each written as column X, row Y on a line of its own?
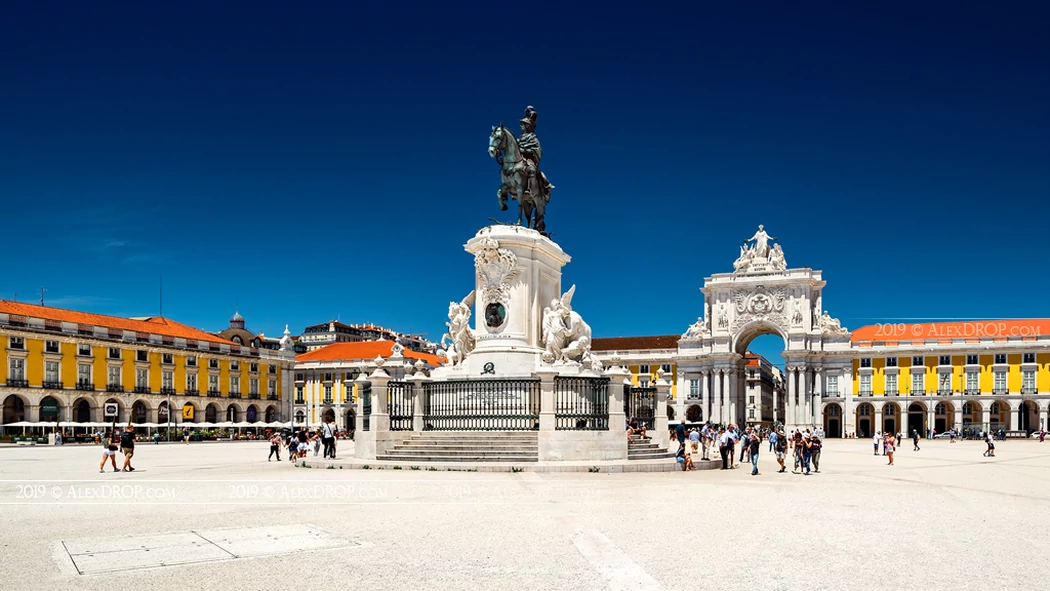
column 127, row 447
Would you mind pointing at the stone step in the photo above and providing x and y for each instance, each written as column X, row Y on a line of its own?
column 477, row 440
column 474, row 434
column 655, row 455
column 645, row 447
column 463, row 458
column 461, row 454
column 516, row 449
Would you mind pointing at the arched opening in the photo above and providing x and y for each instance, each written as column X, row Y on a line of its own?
column 972, row 416
column 328, row 415
column 761, row 388
column 943, row 417
column 833, row 420
column 271, row 414
column 670, row 413
column 231, row 414
column 351, row 420
column 916, row 420
column 82, row 411
column 237, row 339
column 252, row 414
column 49, row 410
column 999, row 416
column 300, row 417
column 694, row 414
column 211, row 413
column 1027, row 416
column 139, row 412
column 865, row 413
column 891, row 419
column 14, row 409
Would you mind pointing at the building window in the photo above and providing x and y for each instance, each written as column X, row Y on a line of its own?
column 865, row 361
column 940, row 409
column 18, row 369
column 864, row 411
column 328, row 395
column 141, row 355
column 191, row 361
column 643, row 382
column 917, row 386
column 51, row 347
column 253, row 386
column 917, row 360
column 891, row 362
column 643, row 370
column 299, row 377
column 891, row 384
column 273, row 388
column 666, row 367
column 213, row 364
column 254, row 367
column 694, row 388
column 235, row 366
column 191, row 381
column 167, row 359
column 1028, row 358
column 114, row 353
column 944, row 384
column 17, row 343
column 167, row 380
column 971, row 382
column 51, row 371
column 273, row 370
column 299, row 395
column 84, row 350
column 1028, row 382
column 213, row 383
column 865, row 384
column 751, row 413
column 999, row 385
column 833, row 385
column 83, row 373
column 141, row 378
column 1000, row 357
column 114, row 375
column 328, row 377
column 750, row 399
column 235, row 385
column 944, row 360
column 971, row 360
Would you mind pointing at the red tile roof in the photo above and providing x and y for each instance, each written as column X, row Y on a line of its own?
column 635, row 343
column 153, row 325
column 971, row 329
column 363, row 350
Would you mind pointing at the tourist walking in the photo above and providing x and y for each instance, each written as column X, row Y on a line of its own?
column 734, row 436
column 327, row 437
column 723, row 448
column 185, row 436
column 127, row 447
column 745, row 445
column 915, row 440
column 875, row 441
column 990, row 441
column 753, row 446
column 772, row 440
column 796, row 449
column 781, row 449
column 816, row 442
column 694, row 440
column 1042, row 435
column 889, row 446
column 109, row 450
column 951, row 436
column 275, row 447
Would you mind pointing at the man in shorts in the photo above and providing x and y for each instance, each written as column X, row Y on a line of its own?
column 109, row 450
column 781, row 448
column 127, row 447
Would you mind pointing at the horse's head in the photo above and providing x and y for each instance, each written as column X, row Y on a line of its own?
column 497, row 140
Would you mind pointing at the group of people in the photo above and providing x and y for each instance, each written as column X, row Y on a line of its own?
column 805, row 446
column 298, row 443
column 115, row 440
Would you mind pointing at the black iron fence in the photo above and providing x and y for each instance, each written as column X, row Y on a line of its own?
column 366, row 404
column 581, row 404
column 482, row 405
column 399, row 403
column 639, row 404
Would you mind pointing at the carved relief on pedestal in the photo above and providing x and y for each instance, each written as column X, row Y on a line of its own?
column 496, row 268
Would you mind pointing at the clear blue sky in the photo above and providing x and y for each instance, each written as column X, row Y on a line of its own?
column 330, row 160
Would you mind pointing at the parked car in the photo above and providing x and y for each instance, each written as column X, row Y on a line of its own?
column 944, row 435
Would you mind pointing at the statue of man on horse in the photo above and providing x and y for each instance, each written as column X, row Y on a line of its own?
column 519, row 161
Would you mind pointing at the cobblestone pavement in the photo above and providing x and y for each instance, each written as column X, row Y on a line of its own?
column 219, row 516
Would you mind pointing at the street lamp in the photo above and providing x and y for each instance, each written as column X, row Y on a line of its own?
column 168, row 438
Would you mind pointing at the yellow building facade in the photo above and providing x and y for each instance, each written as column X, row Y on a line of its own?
column 65, row 365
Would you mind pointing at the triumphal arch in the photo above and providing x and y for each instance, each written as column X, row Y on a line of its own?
column 762, row 295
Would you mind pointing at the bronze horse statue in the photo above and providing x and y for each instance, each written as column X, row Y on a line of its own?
column 503, row 146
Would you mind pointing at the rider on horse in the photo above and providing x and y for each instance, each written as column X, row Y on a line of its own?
column 530, row 148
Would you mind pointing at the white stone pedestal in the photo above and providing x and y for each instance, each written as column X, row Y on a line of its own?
column 518, row 273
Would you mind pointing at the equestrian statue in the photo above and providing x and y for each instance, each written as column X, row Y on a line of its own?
column 520, row 175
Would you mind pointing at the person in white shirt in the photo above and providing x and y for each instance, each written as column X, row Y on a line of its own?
column 875, row 441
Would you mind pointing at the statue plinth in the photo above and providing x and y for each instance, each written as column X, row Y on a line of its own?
column 517, row 273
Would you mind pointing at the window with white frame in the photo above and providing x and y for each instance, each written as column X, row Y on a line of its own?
column 917, row 360
column 643, row 382
column 213, row 383
column 917, row 385
column 84, row 350
column 141, row 377
column 1000, row 357
column 273, row 388
column 235, row 385
column 694, row 388
column 1028, row 358
column 666, row 367
column 865, row 361
column 191, row 381
column 972, row 360
column 83, row 373
column 17, row 368
column 944, row 383
column 167, row 359
column 999, row 382
column 299, row 395
column 191, row 361
column 235, row 366
column 51, row 347
column 865, row 384
column 114, row 352
column 891, row 383
column 972, row 381
column 833, row 385
column 113, row 375
column 51, row 371
column 167, row 380
column 1028, row 381
column 944, row 360
column 253, row 386
column 891, row 362
column 643, row 370
column 328, row 395
column 18, row 343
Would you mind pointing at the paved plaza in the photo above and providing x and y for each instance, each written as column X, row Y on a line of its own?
column 220, row 516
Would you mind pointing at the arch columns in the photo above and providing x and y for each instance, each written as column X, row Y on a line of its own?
column 705, row 395
column 818, row 395
column 792, row 401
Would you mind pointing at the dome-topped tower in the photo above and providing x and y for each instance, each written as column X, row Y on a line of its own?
column 237, row 321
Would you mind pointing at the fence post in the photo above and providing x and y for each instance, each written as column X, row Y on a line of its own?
column 380, row 400
column 618, row 380
column 418, row 392
column 660, row 420
column 547, row 411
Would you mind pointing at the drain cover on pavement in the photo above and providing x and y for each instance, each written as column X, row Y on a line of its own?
column 106, row 555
